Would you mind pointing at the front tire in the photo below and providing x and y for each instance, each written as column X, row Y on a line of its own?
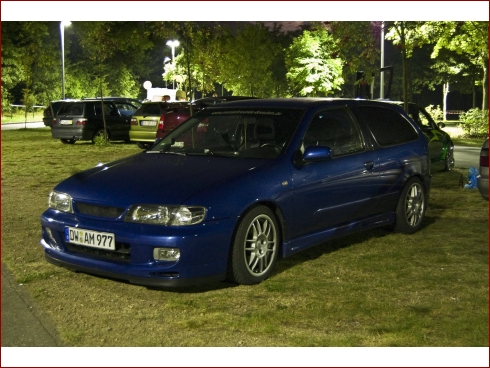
column 143, row 145
column 255, row 247
column 410, row 211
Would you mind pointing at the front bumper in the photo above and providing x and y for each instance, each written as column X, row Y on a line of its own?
column 168, row 281
column 203, row 248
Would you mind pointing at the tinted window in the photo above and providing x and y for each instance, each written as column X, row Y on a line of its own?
column 71, row 109
column 55, row 106
column 334, row 128
column 109, row 109
column 125, row 108
column 388, row 126
column 149, row 109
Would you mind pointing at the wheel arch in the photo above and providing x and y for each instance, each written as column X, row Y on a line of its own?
column 278, row 216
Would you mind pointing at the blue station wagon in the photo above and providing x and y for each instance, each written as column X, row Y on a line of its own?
column 238, row 186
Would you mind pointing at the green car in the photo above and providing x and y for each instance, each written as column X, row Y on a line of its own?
column 441, row 147
column 146, row 120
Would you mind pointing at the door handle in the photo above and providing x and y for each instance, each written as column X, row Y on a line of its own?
column 369, row 165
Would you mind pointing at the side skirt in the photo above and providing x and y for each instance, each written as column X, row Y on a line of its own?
column 298, row 244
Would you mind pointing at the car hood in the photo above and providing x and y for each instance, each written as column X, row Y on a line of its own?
column 154, row 178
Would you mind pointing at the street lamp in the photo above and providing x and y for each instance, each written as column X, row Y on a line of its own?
column 62, row 31
column 165, row 61
column 173, row 44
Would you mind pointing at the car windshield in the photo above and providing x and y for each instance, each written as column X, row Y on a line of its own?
column 233, row 132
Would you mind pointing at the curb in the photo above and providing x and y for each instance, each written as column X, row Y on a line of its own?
column 23, row 322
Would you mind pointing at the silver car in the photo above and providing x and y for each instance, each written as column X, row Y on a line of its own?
column 482, row 179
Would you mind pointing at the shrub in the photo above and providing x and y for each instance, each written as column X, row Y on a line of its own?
column 436, row 112
column 474, row 123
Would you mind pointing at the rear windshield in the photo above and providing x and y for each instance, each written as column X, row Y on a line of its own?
column 157, row 109
column 71, row 109
column 153, row 109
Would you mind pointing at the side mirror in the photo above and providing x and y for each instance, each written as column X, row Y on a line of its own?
column 317, row 153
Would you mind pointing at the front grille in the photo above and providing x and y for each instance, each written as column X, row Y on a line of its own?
column 99, row 211
column 122, row 252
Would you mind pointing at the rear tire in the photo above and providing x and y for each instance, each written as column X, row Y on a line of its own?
column 255, row 247
column 449, row 161
column 410, row 211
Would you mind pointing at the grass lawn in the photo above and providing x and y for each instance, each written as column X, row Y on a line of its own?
column 375, row 289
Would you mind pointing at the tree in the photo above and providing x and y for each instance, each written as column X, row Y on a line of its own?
column 465, row 38
column 313, row 68
column 408, row 37
column 358, row 43
column 31, row 60
column 251, row 53
column 209, row 56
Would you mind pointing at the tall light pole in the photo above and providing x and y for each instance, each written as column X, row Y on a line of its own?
column 173, row 44
column 382, row 74
column 165, row 61
column 62, row 31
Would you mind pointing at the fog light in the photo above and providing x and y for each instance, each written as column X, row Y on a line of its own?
column 166, row 254
column 53, row 243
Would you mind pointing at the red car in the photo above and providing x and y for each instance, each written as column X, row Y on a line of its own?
column 174, row 118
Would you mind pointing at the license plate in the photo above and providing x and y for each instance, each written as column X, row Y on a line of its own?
column 90, row 238
column 148, row 123
column 65, row 122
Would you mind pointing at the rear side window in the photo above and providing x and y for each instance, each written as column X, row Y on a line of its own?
column 388, row 126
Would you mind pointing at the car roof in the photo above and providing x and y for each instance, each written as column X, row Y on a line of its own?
column 300, row 102
column 400, row 103
column 112, row 98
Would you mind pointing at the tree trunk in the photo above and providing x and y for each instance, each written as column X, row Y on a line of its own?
column 404, row 66
column 474, row 96
column 484, row 105
column 445, row 92
column 106, row 136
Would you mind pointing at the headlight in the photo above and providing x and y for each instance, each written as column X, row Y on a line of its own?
column 166, row 215
column 60, row 201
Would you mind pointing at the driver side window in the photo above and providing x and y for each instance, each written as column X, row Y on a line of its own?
column 336, row 129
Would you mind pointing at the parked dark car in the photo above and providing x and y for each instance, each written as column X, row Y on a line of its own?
column 147, row 119
column 126, row 106
column 441, row 146
column 482, row 179
column 239, row 185
column 83, row 121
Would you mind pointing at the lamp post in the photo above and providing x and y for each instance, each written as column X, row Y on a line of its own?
column 165, row 61
column 173, row 44
column 382, row 74
column 62, row 31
